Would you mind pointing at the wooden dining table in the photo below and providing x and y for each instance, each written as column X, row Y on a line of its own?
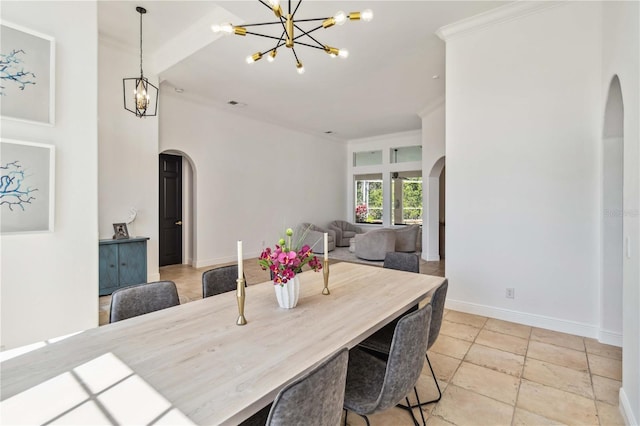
column 192, row 363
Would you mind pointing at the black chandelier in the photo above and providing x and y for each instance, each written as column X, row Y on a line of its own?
column 289, row 38
column 140, row 96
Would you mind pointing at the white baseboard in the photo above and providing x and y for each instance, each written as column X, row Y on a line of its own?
column 431, row 258
column 610, row 337
column 198, row 263
column 541, row 321
column 625, row 409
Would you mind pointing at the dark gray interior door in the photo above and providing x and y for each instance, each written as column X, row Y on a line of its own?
column 170, row 209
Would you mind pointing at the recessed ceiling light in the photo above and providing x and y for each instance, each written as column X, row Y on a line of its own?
column 328, row 132
column 233, row 102
column 435, row 77
column 178, row 89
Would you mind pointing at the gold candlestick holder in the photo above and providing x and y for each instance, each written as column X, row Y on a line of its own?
column 240, row 295
column 325, row 273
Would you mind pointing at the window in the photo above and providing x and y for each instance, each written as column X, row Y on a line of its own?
column 368, row 199
column 367, row 158
column 406, row 198
column 405, row 154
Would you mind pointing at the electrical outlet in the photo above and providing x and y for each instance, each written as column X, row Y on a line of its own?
column 510, row 294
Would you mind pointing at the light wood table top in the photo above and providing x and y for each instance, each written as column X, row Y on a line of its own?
column 201, row 363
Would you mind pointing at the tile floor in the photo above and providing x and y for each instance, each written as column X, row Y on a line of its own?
column 491, row 372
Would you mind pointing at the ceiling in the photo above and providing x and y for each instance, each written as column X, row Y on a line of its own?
column 388, row 78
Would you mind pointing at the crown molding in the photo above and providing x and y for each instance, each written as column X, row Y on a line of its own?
column 501, row 14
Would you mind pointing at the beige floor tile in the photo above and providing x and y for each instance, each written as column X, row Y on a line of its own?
column 555, row 404
column 558, row 339
column 485, row 381
column 443, row 365
column 606, row 367
column 504, row 342
column 608, row 351
column 437, row 421
column 506, row 327
column 463, row 407
column 607, row 390
column 392, row 416
column 427, row 390
column 609, row 414
column 558, row 355
column 450, row 346
column 527, row 418
column 495, row 359
column 563, row 378
column 459, row 331
column 467, row 319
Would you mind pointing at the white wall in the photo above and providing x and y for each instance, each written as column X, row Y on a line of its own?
column 621, row 52
column 252, row 179
column 384, row 143
column 49, row 282
column 433, row 151
column 128, row 154
column 522, row 121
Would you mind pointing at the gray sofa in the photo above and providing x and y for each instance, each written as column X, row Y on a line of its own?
column 315, row 237
column 374, row 245
column 344, row 232
column 407, row 238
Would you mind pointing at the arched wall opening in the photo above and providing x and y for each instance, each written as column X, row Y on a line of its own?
column 612, row 217
column 189, row 206
column 431, row 240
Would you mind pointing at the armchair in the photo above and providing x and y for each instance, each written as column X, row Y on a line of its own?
column 315, row 237
column 344, row 232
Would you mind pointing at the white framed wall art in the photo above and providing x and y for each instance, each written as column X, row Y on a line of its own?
column 27, row 75
column 27, row 187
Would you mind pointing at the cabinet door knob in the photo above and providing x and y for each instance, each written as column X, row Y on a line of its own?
column 179, row 223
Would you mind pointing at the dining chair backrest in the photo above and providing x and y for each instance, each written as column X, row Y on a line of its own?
column 314, row 399
column 406, row 357
column 437, row 302
column 409, row 262
column 220, row 280
column 141, row 299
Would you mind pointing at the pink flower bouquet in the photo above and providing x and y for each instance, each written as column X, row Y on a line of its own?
column 287, row 260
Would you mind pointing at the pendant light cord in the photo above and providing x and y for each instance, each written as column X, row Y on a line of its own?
column 141, row 75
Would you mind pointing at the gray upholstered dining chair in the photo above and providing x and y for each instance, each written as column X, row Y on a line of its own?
column 314, row 399
column 374, row 385
column 220, row 280
column 409, row 262
column 380, row 341
column 141, row 299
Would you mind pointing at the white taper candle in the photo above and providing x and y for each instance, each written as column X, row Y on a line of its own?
column 326, row 246
column 240, row 266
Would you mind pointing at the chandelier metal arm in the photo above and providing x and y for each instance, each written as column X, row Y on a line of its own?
column 264, row 35
column 311, row 20
column 261, row 23
column 266, row 4
column 306, row 33
column 310, row 45
column 296, row 9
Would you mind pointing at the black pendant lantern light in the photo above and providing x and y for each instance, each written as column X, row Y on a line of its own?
column 140, row 96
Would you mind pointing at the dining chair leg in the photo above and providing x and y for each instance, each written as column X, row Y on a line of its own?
column 413, row 417
column 436, row 382
column 424, row 421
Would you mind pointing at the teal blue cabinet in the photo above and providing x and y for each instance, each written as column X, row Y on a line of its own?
column 122, row 263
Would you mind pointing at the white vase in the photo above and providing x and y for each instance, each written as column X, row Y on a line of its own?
column 287, row 294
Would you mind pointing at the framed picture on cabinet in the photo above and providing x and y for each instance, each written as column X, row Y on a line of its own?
column 120, row 231
column 27, row 70
column 27, row 183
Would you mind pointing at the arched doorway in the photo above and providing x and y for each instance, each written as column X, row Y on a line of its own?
column 612, row 217
column 434, row 209
column 176, row 210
